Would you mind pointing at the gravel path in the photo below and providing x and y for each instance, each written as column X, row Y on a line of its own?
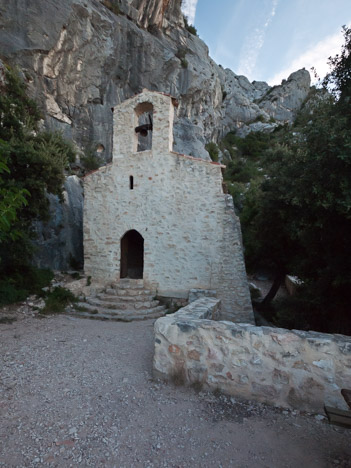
column 77, row 392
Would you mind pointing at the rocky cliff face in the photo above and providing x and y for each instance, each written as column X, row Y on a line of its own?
column 80, row 60
column 59, row 245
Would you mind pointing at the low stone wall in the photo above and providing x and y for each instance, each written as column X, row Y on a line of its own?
column 287, row 368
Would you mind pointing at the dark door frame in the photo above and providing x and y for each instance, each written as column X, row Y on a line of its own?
column 132, row 255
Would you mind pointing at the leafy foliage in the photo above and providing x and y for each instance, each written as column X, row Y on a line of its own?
column 57, row 300
column 19, row 114
column 11, row 199
column 90, row 161
column 296, row 216
column 338, row 80
column 20, row 284
column 32, row 164
column 190, row 27
column 181, row 54
column 213, row 151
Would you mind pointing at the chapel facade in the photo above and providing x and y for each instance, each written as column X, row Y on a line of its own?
column 160, row 216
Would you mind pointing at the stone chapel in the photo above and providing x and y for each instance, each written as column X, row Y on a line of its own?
column 160, row 216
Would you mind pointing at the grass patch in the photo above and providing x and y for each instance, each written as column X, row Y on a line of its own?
column 57, row 300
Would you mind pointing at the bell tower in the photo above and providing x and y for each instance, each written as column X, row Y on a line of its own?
column 148, row 115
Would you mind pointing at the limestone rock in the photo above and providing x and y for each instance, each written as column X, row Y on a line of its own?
column 81, row 60
column 282, row 102
column 158, row 12
column 60, row 241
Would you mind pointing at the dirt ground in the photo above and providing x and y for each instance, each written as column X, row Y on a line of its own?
column 77, row 392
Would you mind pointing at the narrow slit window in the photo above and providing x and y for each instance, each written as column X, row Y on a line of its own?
column 131, row 182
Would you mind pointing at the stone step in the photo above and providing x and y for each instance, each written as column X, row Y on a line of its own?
column 131, row 280
column 128, row 283
column 91, row 311
column 116, row 311
column 128, row 292
column 115, row 297
column 119, row 318
column 120, row 304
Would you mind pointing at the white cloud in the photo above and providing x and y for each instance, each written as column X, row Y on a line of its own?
column 254, row 44
column 316, row 56
column 189, row 9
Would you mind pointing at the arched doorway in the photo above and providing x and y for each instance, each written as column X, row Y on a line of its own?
column 132, row 255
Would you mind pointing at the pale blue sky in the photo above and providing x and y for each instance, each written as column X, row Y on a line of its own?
column 268, row 39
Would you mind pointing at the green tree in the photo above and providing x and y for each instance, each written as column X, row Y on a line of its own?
column 11, row 199
column 300, row 218
column 33, row 164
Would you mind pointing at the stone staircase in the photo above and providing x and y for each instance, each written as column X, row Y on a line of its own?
column 124, row 301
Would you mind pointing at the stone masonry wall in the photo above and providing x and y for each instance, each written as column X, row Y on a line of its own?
column 287, row 368
column 191, row 234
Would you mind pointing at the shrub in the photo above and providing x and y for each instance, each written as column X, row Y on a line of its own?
column 190, row 27
column 242, row 170
column 9, row 293
column 237, row 190
column 180, row 54
column 90, row 161
column 255, row 293
column 57, row 300
column 259, row 118
column 213, row 151
column 61, row 151
column 184, row 63
column 19, row 285
column 112, row 6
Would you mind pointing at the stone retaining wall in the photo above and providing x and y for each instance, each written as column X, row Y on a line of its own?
column 287, row 368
